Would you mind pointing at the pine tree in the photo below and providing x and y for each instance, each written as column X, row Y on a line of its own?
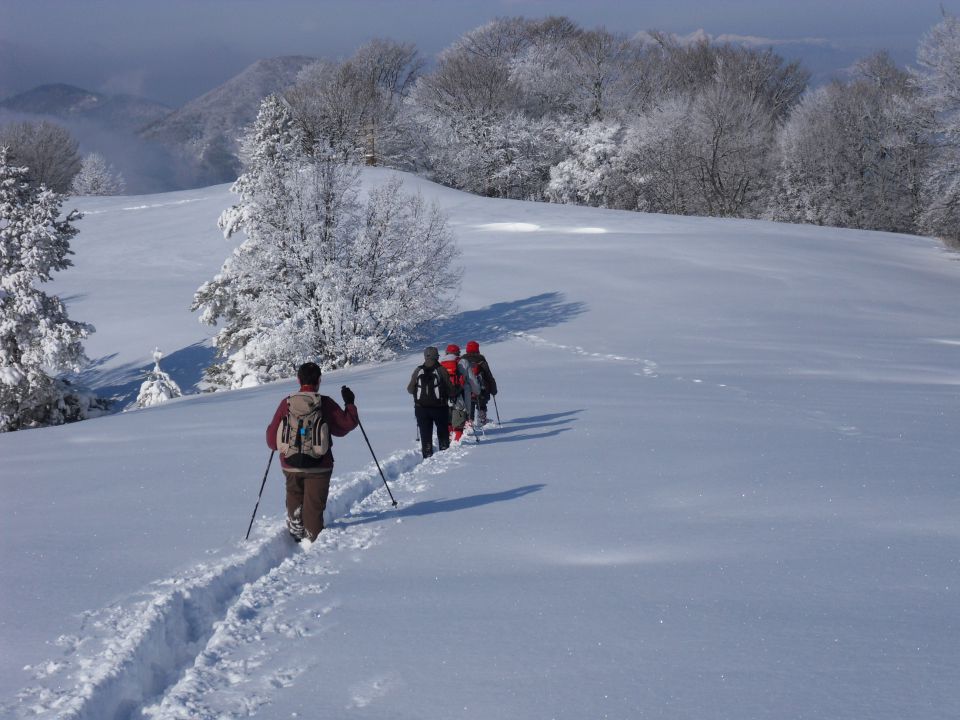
column 36, row 336
column 158, row 387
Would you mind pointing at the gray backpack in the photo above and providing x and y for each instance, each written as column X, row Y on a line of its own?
column 303, row 437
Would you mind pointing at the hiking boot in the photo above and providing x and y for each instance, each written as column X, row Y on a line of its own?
column 295, row 526
column 483, row 417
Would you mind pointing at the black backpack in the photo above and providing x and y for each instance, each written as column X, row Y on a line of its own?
column 430, row 392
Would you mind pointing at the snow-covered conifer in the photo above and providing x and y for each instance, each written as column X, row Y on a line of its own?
column 158, row 387
column 96, row 177
column 37, row 339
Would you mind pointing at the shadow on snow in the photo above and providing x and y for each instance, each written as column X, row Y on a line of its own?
column 122, row 384
column 490, row 324
column 504, row 433
column 496, row 322
column 432, row 507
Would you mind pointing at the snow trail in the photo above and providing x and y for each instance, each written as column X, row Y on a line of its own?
column 163, row 655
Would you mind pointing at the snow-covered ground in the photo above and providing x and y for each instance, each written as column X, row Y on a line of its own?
column 724, row 486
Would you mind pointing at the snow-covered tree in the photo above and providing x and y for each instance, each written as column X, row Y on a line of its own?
column 158, row 387
column 356, row 108
column 706, row 155
column 852, row 153
column 96, row 177
column 37, row 339
column 320, row 276
column 590, row 175
column 605, row 74
column 939, row 82
column 46, row 149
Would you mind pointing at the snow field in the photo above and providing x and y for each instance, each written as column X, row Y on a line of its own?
column 724, row 489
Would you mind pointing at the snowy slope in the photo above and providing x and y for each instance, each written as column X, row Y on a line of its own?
column 724, row 486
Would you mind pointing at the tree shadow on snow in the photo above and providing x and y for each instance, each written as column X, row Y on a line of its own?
column 498, row 321
column 445, row 505
column 122, row 384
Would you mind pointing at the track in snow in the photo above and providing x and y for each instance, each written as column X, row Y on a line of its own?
column 167, row 653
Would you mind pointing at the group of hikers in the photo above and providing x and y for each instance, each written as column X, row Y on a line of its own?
column 450, row 395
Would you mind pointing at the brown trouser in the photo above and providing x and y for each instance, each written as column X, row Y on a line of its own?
column 308, row 491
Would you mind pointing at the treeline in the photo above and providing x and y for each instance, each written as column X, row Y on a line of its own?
column 51, row 157
column 547, row 110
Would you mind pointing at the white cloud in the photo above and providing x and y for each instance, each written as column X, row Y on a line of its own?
column 700, row 35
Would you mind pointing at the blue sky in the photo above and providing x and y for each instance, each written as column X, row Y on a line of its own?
column 174, row 50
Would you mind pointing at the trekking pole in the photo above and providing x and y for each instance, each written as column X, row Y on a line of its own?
column 496, row 408
column 377, row 461
column 260, row 494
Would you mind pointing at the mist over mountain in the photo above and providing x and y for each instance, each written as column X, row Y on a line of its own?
column 121, row 112
column 158, row 148
column 204, row 133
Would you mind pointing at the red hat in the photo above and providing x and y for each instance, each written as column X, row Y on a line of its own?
column 473, row 346
column 453, row 349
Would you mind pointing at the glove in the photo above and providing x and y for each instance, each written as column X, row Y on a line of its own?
column 493, row 392
column 348, row 396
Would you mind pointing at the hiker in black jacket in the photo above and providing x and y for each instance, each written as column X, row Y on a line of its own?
column 430, row 386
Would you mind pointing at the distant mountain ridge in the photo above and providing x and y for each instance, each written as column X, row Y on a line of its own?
column 206, row 130
column 121, row 112
column 167, row 148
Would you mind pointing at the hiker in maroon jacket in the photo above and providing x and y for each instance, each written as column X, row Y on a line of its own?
column 308, row 478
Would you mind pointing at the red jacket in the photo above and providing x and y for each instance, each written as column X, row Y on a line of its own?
column 340, row 421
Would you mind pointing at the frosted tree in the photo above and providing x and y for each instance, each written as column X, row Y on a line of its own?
column 852, row 154
column 158, row 387
column 939, row 82
column 356, row 108
column 320, row 276
column 46, row 149
column 473, row 113
column 37, row 339
column 706, row 155
column 273, row 151
column 399, row 271
column 606, row 75
column 589, row 176
column 462, row 107
column 96, row 177
column 657, row 160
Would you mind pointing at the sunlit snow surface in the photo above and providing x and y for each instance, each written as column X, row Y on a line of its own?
column 724, row 485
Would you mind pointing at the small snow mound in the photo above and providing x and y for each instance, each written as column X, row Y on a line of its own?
column 588, row 230
column 509, row 227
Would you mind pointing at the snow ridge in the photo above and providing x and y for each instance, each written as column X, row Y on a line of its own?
column 166, row 655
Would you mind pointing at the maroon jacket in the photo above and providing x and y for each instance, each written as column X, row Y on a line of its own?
column 340, row 422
